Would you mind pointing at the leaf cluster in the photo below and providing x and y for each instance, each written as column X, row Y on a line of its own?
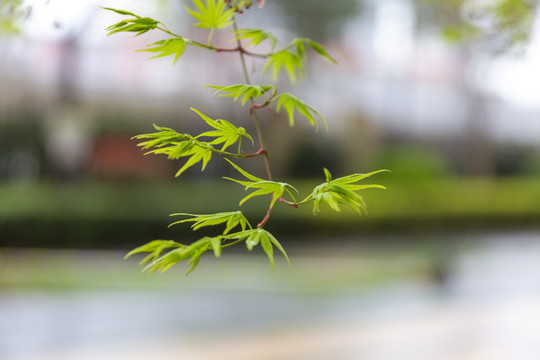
column 246, row 91
column 231, row 219
column 264, row 187
column 292, row 58
column 258, row 236
column 256, row 36
column 176, row 145
column 137, row 24
column 291, row 103
column 212, row 16
column 171, row 46
column 219, row 14
column 287, row 101
column 342, row 191
column 159, row 259
column 225, row 133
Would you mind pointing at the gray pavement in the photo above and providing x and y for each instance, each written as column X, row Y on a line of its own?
column 488, row 309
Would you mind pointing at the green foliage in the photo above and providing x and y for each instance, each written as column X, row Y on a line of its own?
column 342, row 191
column 155, row 248
column 213, row 15
column 12, row 12
column 175, row 145
column 232, row 219
column 459, row 33
column 319, row 49
column 292, row 62
column 260, row 236
column 138, row 24
column 192, row 253
column 264, row 187
column 291, row 103
column 292, row 58
column 503, row 23
column 172, row 46
column 225, row 132
column 197, row 151
column 163, row 137
column 413, row 163
column 217, row 14
column 256, row 36
column 248, row 92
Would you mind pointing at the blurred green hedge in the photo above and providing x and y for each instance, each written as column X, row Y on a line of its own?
column 116, row 215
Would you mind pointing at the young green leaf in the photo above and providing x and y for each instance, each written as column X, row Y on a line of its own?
column 278, row 245
column 320, row 50
column 175, row 145
column 291, row 62
column 196, row 151
column 264, row 187
column 121, row 12
column 154, row 248
column 138, row 24
column 164, row 136
column 192, row 252
column 168, row 47
column 213, row 15
column 232, row 219
column 225, row 133
column 341, row 191
column 245, row 90
column 257, row 36
column 267, row 247
column 293, row 57
column 216, row 246
column 291, row 103
column 258, row 236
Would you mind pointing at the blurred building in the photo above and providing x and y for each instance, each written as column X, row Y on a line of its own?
column 397, row 82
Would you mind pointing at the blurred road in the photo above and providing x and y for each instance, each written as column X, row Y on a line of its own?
column 488, row 308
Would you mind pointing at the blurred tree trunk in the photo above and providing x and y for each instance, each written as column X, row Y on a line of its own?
column 479, row 153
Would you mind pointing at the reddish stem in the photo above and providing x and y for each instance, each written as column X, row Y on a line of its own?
column 241, row 50
column 288, row 202
column 266, row 217
column 259, row 152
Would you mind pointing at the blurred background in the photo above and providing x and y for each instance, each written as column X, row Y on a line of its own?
column 445, row 94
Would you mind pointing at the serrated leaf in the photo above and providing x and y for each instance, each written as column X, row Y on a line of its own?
column 139, row 25
column 327, row 174
column 225, row 133
column 216, row 246
column 292, row 58
column 257, row 36
column 197, row 154
column 193, row 252
column 264, row 187
column 260, row 236
column 243, row 172
column 213, row 15
column 342, row 191
column 155, row 248
column 278, row 245
column 291, row 104
column 284, row 59
column 121, row 12
column 247, row 91
column 194, row 261
column 169, row 142
column 163, row 137
column 267, row 247
column 232, row 219
column 168, row 47
column 253, row 240
column 321, row 51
